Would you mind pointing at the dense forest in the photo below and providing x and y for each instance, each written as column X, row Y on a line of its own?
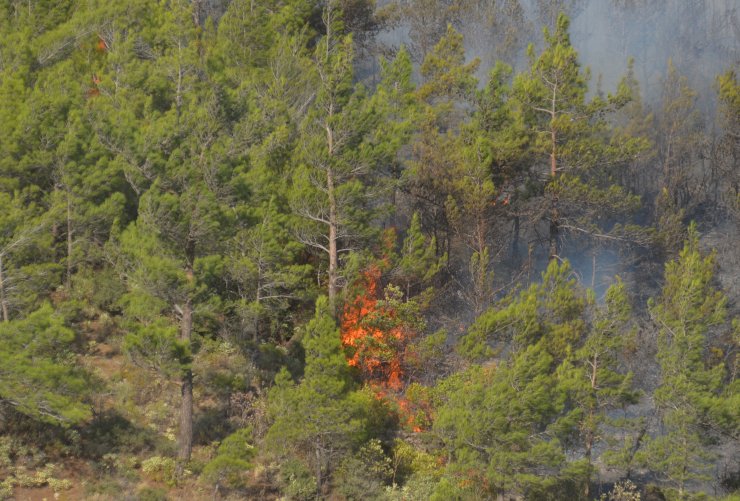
column 333, row 249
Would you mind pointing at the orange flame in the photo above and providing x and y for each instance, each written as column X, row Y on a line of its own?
column 376, row 350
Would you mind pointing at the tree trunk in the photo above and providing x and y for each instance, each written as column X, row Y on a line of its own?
column 185, row 440
column 69, row 242
column 3, row 300
column 554, row 213
column 515, row 239
column 333, row 257
column 333, row 216
column 593, row 271
column 589, row 448
column 554, row 227
column 319, row 480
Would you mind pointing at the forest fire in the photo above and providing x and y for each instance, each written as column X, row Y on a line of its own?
column 376, row 340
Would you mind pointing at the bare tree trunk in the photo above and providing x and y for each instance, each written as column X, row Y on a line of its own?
column 593, row 271
column 69, row 242
column 333, row 216
column 554, row 212
column 587, row 486
column 3, row 300
column 185, row 439
column 319, row 479
column 554, row 227
column 185, row 445
column 333, row 258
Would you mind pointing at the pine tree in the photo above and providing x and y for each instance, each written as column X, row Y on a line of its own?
column 321, row 418
column 418, row 262
column 174, row 160
column 492, row 147
column 262, row 264
column 493, row 420
column 39, row 375
column 572, row 133
column 591, row 377
column 523, row 410
column 23, row 232
column 726, row 180
column 682, row 139
column 689, row 306
column 336, row 155
column 448, row 82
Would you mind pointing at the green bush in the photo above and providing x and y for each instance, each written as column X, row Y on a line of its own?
column 6, row 489
column 296, row 481
column 365, row 474
column 232, row 460
column 151, row 494
column 160, row 469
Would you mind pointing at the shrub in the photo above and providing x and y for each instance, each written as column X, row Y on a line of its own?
column 365, row 474
column 232, row 460
column 152, row 494
column 296, row 480
column 160, row 469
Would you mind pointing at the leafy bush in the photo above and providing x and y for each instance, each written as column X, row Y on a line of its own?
column 623, row 491
column 232, row 460
column 6, row 489
column 151, row 494
column 296, row 481
column 160, row 469
column 365, row 474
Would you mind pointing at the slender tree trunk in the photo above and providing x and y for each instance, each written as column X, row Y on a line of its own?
column 69, row 242
column 554, row 212
column 185, row 440
column 554, row 227
column 3, row 300
column 591, row 432
column 333, row 216
column 588, row 452
column 593, row 270
column 587, row 486
column 333, row 227
column 333, row 258
column 318, row 470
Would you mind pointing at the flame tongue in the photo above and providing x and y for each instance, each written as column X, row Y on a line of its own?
column 374, row 350
column 376, row 341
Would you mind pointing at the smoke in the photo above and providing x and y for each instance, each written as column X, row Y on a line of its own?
column 701, row 37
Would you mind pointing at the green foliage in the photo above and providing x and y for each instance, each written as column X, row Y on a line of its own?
column 689, row 306
column 35, row 353
column 623, row 491
column 565, row 376
column 365, row 474
column 573, row 137
column 160, row 469
column 429, row 351
column 180, row 179
column 297, row 481
column 152, row 494
column 232, row 460
column 320, row 419
column 494, row 426
column 19, row 476
column 418, row 262
column 550, row 311
column 445, row 69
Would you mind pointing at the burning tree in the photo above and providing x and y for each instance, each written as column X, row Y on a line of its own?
column 376, row 332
